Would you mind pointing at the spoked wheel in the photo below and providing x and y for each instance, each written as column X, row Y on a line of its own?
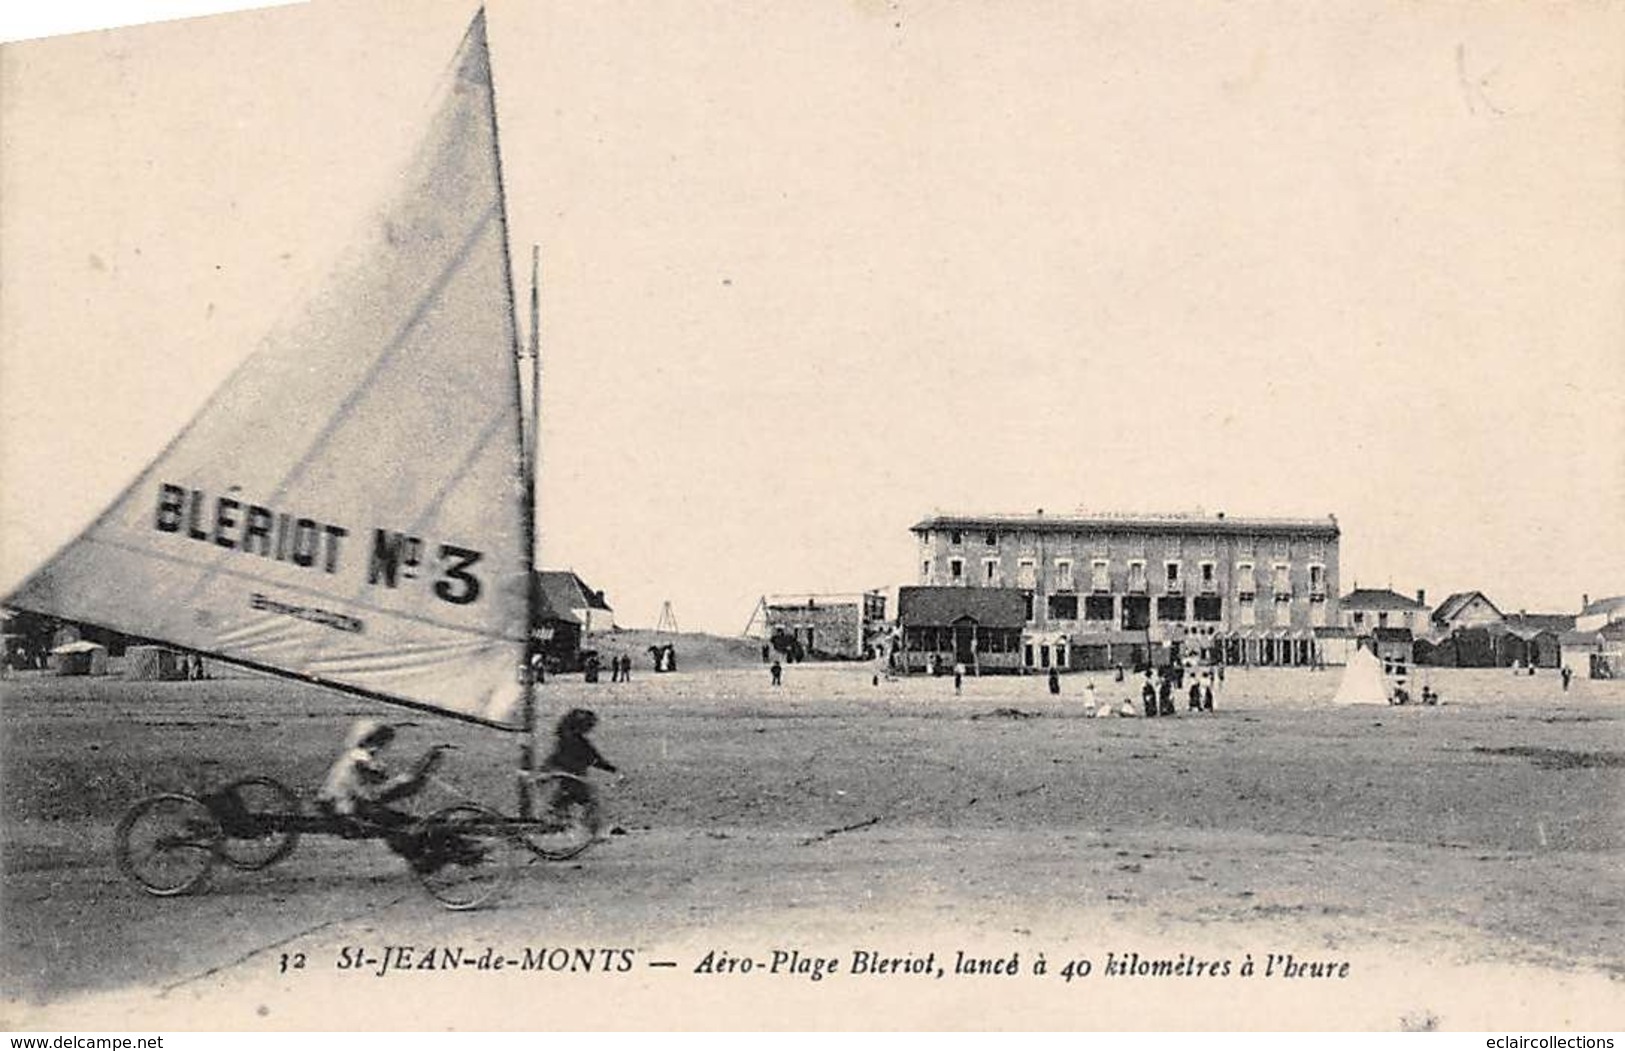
column 565, row 817
column 254, row 815
column 463, row 855
column 168, row 844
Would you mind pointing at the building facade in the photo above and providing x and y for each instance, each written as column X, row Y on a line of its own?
column 1100, row 590
column 824, row 626
column 1364, row 610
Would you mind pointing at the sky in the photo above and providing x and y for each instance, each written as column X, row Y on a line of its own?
column 813, row 272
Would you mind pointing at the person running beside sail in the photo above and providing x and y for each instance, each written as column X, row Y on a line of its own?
column 573, row 754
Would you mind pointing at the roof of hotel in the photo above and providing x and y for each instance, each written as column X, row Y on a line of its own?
column 1188, row 523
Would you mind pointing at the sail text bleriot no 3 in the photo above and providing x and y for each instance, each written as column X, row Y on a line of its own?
column 236, row 524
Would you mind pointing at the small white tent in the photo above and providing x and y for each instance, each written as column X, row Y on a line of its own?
column 1363, row 682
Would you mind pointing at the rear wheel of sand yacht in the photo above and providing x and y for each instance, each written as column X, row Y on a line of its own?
column 168, row 843
column 464, row 855
column 565, row 811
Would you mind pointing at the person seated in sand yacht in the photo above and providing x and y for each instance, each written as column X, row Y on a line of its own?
column 359, row 786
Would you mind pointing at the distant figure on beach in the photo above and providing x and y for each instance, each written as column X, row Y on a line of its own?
column 1568, row 673
column 959, row 676
column 766, row 653
column 1165, row 694
column 1089, row 697
column 1148, row 695
column 1207, row 694
column 1195, row 704
column 1126, row 710
column 777, row 671
column 1119, row 673
column 1054, row 681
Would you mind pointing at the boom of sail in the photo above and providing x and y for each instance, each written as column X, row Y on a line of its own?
column 351, row 507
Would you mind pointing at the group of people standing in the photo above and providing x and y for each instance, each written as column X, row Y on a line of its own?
column 1157, row 694
column 620, row 668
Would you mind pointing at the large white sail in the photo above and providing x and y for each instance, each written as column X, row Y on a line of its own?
column 349, row 507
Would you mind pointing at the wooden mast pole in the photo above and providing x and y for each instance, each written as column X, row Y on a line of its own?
column 531, row 426
column 527, row 677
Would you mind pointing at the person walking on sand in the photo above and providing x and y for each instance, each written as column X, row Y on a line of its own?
column 1054, row 681
column 959, row 676
column 777, row 671
column 1148, row 695
column 1568, row 673
column 1089, row 697
column 1165, row 695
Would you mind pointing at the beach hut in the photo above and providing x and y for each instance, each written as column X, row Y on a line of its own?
column 154, row 663
column 79, row 658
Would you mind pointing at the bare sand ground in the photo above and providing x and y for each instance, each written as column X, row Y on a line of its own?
column 1464, row 861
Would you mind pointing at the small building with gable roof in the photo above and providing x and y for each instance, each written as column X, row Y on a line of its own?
column 566, row 592
column 978, row 627
column 1466, row 609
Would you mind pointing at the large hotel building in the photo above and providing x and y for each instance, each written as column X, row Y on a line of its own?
column 1100, row 590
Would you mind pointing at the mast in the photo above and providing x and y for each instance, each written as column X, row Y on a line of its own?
column 533, row 419
column 530, row 426
column 526, row 437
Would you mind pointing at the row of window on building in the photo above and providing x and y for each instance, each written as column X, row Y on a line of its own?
column 1244, row 580
column 1135, row 545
